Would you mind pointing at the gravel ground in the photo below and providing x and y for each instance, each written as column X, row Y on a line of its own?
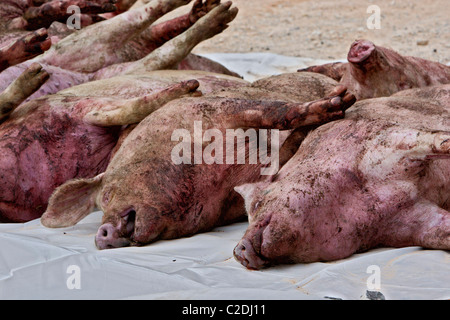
column 325, row 29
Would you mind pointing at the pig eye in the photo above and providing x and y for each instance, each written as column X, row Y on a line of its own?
column 256, row 205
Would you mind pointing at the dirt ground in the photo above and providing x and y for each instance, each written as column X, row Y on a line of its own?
column 325, row 29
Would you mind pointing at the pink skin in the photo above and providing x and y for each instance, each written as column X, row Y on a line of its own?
column 69, row 63
column 202, row 198
column 356, row 184
column 145, row 196
column 48, row 141
column 373, row 71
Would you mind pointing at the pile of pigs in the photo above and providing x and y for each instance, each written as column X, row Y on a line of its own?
column 107, row 117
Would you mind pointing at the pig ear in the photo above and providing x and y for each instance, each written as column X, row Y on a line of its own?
column 71, row 202
column 247, row 192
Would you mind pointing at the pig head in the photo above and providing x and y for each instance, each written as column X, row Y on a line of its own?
column 375, row 71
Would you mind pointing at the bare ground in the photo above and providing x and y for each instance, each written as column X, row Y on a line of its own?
column 325, row 28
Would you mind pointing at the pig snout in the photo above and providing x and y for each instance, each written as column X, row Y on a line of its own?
column 110, row 236
column 245, row 253
column 248, row 250
column 360, row 50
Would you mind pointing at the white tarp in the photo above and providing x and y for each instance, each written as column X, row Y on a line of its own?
column 41, row 263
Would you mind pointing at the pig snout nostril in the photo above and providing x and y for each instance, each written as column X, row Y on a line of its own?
column 105, row 231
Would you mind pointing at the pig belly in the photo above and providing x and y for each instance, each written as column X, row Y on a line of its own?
column 35, row 161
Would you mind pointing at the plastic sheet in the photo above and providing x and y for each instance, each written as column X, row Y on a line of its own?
column 38, row 263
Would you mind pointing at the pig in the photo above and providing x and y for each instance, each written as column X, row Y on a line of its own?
column 147, row 194
column 128, row 43
column 24, row 48
column 35, row 14
column 379, row 177
column 374, row 71
column 24, row 86
column 50, row 140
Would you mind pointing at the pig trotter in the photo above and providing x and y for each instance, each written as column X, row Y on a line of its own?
column 201, row 8
column 25, row 48
column 213, row 23
column 323, row 110
column 23, row 87
column 56, row 10
column 218, row 19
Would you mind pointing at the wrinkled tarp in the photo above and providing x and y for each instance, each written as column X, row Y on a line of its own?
column 41, row 263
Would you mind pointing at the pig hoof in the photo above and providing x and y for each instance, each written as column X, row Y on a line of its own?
column 332, row 108
column 200, row 8
column 217, row 20
column 360, row 50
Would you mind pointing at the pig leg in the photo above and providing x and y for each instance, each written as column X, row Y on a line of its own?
column 172, row 52
column 21, row 88
column 56, row 10
column 116, row 112
column 95, row 46
column 283, row 115
column 25, row 48
column 333, row 70
column 424, row 224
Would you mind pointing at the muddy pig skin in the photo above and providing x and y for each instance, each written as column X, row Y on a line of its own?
column 50, row 140
column 380, row 177
column 130, row 43
column 146, row 196
column 34, row 14
column 374, row 71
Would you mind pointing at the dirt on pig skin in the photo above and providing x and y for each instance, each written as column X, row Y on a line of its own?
column 142, row 46
column 50, row 140
column 41, row 154
column 146, row 195
column 380, row 177
column 374, row 71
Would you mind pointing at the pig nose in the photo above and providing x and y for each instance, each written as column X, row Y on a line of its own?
column 108, row 237
column 247, row 256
